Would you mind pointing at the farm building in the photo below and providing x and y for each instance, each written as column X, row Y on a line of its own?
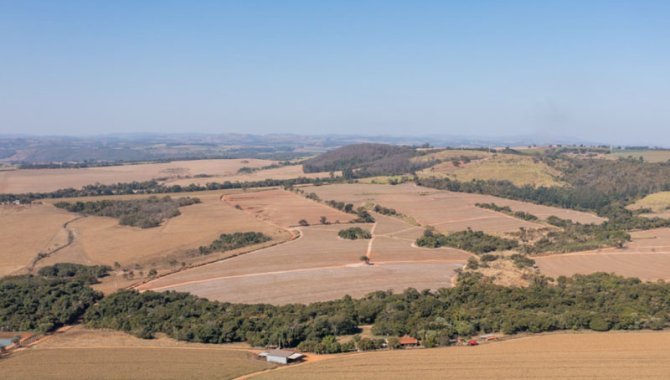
column 281, row 356
column 408, row 341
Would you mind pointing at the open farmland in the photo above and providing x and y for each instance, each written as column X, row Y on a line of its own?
column 101, row 240
column 28, row 230
column 46, row 180
column 288, row 273
column 646, row 257
column 447, row 211
column 652, row 155
column 88, row 354
column 621, row 355
column 520, row 170
column 284, row 172
column 285, row 208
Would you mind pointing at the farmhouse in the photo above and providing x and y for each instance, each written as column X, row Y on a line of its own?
column 281, row 356
column 408, row 341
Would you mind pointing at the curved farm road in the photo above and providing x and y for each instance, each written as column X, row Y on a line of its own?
column 70, row 239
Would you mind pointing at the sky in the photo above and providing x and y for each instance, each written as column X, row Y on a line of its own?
column 595, row 70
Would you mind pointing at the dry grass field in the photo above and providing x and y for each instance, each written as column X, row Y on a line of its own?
column 613, row 355
column 100, row 240
column 45, row 180
column 659, row 203
column 647, row 155
column 285, row 208
column 99, row 354
column 445, row 210
column 646, row 257
column 28, row 230
column 320, row 266
column 520, row 170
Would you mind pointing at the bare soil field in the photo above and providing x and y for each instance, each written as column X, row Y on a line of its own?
column 648, row 155
column 284, row 172
column 445, row 210
column 28, row 230
column 285, row 208
column 646, row 257
column 45, row 180
column 100, row 354
column 321, row 266
column 613, row 355
column 101, row 240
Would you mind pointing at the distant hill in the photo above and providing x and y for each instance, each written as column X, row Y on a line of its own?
column 367, row 159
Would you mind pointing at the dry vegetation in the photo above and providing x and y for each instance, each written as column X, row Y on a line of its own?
column 100, row 354
column 28, row 230
column 520, row 170
column 647, row 155
column 621, row 355
column 646, row 257
column 659, row 203
column 45, row 180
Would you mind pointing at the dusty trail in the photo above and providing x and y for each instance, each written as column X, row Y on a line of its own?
column 368, row 254
column 70, row 241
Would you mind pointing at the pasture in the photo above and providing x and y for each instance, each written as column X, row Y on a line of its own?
column 100, row 354
column 651, row 155
column 620, row 355
column 646, row 257
column 284, row 172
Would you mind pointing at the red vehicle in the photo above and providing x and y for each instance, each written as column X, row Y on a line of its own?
column 473, row 342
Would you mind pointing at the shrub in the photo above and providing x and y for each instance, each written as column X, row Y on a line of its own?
column 354, row 233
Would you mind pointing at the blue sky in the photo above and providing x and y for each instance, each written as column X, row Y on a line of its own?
column 596, row 70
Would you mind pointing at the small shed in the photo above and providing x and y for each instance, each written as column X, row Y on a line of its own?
column 281, row 356
column 408, row 341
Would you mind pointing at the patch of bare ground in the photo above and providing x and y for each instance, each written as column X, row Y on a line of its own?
column 99, row 354
column 28, row 230
column 612, row 355
column 285, row 208
column 45, row 180
column 646, row 257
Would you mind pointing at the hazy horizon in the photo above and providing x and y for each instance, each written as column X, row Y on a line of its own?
column 595, row 71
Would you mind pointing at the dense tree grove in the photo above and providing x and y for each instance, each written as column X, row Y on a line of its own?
column 354, row 233
column 385, row 210
column 228, row 242
column 468, row 240
column 87, row 274
column 144, row 213
column 507, row 210
column 475, row 305
column 43, row 303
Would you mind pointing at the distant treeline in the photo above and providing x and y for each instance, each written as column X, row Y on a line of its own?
column 155, row 187
column 144, row 213
column 507, row 210
column 468, row 240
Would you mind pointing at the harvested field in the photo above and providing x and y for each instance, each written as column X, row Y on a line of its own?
column 28, row 230
column 101, row 240
column 284, row 172
column 100, row 354
column 646, row 257
column 520, row 170
column 285, row 208
column 445, row 210
column 45, row 180
column 328, row 266
column 620, row 355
